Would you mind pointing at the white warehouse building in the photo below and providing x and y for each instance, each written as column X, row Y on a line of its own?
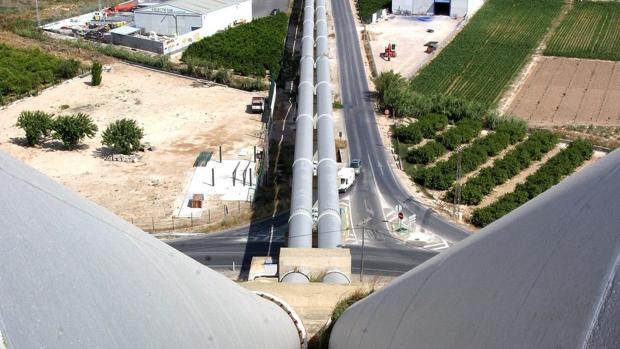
column 454, row 8
column 179, row 17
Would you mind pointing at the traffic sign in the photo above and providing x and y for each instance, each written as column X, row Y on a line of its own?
column 401, row 216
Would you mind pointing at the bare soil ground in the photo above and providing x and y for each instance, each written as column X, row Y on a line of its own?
column 563, row 91
column 180, row 118
column 409, row 35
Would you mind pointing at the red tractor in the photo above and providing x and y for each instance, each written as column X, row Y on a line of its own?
column 390, row 51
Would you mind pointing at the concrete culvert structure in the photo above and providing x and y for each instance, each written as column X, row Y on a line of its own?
column 73, row 275
column 544, row 276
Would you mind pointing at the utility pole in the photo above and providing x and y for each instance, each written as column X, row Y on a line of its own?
column 36, row 5
column 362, row 262
column 457, row 185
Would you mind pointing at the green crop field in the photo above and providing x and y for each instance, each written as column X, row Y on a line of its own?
column 485, row 56
column 590, row 30
column 23, row 71
column 249, row 49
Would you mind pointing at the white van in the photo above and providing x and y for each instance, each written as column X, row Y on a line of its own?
column 346, row 177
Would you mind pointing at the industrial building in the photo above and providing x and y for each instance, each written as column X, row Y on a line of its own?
column 179, row 17
column 453, row 8
column 163, row 27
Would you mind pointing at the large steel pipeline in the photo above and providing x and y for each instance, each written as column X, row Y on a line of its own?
column 329, row 224
column 300, row 221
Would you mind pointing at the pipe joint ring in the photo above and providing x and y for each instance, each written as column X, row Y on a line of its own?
column 302, row 159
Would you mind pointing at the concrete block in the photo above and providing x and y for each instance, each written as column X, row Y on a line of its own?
column 262, row 267
column 314, row 262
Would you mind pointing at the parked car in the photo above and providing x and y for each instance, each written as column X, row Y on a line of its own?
column 356, row 165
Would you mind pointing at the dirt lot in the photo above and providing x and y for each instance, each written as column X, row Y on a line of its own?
column 570, row 91
column 409, row 34
column 180, row 118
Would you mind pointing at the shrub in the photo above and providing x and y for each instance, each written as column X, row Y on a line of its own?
column 72, row 129
column 427, row 153
column 36, row 124
column 549, row 174
column 515, row 161
column 96, row 74
column 465, row 131
column 442, row 175
column 368, row 7
column 124, row 136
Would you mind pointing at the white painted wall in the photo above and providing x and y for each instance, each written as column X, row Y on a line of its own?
column 458, row 7
column 213, row 22
column 166, row 24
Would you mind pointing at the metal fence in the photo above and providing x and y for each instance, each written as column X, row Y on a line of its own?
column 219, row 214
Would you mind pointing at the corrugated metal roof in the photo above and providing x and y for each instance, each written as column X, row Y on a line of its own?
column 73, row 275
column 126, row 30
column 544, row 276
column 198, row 6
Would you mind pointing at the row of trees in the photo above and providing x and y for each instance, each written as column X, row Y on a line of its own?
column 23, row 71
column 465, row 131
column 443, row 174
column 394, row 92
column 249, row 49
column 563, row 164
column 124, row 136
column 425, row 127
column 515, row 161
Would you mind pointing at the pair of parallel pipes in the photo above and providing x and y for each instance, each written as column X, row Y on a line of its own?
column 300, row 221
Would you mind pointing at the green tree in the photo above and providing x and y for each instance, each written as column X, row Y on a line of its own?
column 96, row 74
column 36, row 124
column 123, row 136
column 72, row 129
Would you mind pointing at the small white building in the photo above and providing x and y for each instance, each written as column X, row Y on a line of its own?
column 179, row 17
column 453, row 8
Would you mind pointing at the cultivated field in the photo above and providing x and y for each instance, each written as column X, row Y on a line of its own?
column 484, row 57
column 570, row 91
column 590, row 30
column 180, row 118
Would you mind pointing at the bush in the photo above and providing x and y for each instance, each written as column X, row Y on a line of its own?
column 465, row 131
column 36, row 124
column 547, row 175
column 425, row 127
column 427, row 153
column 368, row 7
column 72, row 129
column 96, row 74
column 515, row 161
column 248, row 49
column 442, row 175
column 124, row 136
column 342, row 305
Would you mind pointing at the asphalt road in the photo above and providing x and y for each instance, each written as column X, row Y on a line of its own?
column 375, row 190
column 383, row 255
column 378, row 188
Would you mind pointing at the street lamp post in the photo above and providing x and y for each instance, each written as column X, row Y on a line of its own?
column 362, row 260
